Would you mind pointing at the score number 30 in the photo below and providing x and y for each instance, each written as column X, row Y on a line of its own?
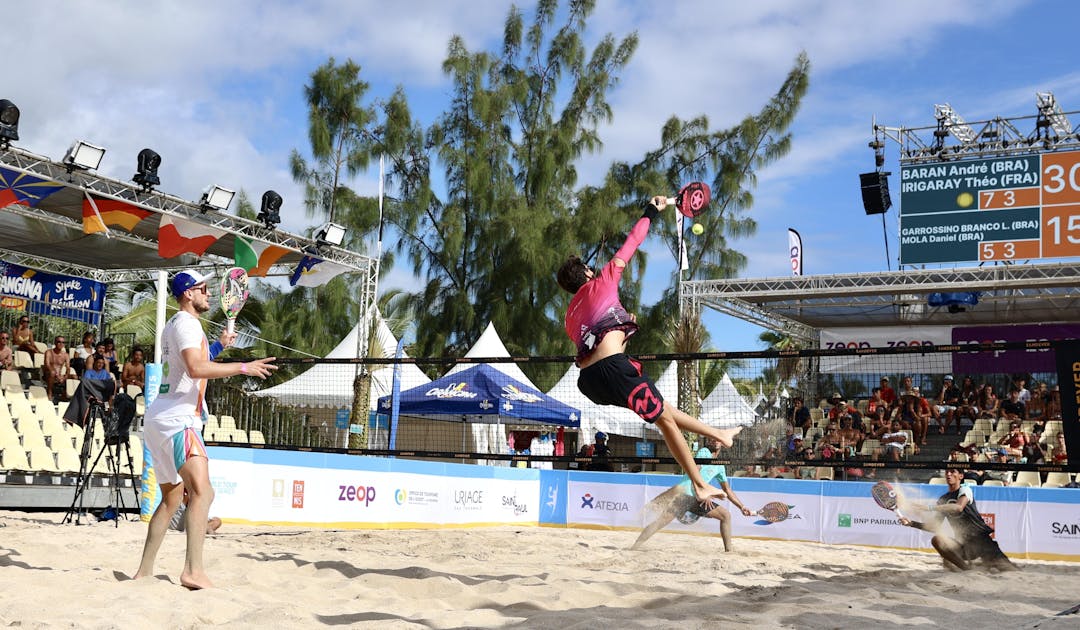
column 1061, row 204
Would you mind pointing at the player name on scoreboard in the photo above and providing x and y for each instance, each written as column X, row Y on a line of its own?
column 1012, row 208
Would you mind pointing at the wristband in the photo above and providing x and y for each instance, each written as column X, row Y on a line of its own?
column 215, row 349
column 243, row 368
column 650, row 212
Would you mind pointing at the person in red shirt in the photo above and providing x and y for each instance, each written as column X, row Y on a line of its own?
column 888, row 394
column 600, row 328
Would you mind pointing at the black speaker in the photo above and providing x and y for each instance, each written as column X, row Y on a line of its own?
column 875, row 192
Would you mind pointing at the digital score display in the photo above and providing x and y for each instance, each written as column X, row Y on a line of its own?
column 1024, row 207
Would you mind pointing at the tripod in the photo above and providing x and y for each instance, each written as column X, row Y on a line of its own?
column 114, row 446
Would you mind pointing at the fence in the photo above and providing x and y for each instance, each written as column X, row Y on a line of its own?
column 344, row 404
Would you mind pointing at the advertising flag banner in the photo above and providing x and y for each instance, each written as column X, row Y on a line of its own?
column 42, row 293
column 795, row 249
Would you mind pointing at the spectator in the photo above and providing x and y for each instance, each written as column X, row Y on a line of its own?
column 1020, row 385
column 1036, row 407
column 1060, row 457
column 1033, row 451
column 600, row 452
column 829, row 445
column 851, row 436
column 840, row 407
column 679, row 501
column 948, row 403
column 888, row 394
column 7, row 357
column 98, row 371
column 800, row 416
column 988, row 402
column 969, row 402
column 877, row 400
column 1053, row 403
column 56, row 369
column 110, row 356
column 971, row 535
column 905, row 386
column 892, row 443
column 134, row 370
column 1012, row 408
column 83, row 353
column 880, row 424
column 22, row 336
column 806, row 472
column 921, row 424
column 1013, row 443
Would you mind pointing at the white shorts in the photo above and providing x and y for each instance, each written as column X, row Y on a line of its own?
column 169, row 454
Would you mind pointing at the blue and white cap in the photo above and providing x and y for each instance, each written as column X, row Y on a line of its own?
column 600, row 435
column 187, row 279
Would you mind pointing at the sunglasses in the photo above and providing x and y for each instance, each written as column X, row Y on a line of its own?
column 201, row 289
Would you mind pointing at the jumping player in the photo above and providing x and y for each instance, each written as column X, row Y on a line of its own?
column 973, row 541
column 600, row 327
column 174, row 420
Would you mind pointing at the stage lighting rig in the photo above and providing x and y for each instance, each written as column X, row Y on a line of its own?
column 216, row 198
column 9, row 123
column 1050, row 115
column 147, row 169
column 270, row 211
column 83, row 156
column 331, row 234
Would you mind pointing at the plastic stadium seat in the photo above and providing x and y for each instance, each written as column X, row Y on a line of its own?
column 937, row 481
column 10, row 377
column 824, row 472
column 42, row 458
column 1030, row 477
column 239, row 435
column 993, row 482
column 71, row 386
column 67, row 460
column 23, row 360
column 134, row 391
column 211, row 422
column 984, row 425
column 868, row 447
column 31, row 433
column 1057, row 479
column 257, row 437
column 13, row 457
column 226, row 422
column 41, row 347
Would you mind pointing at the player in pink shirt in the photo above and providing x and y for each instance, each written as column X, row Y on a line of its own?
column 600, row 327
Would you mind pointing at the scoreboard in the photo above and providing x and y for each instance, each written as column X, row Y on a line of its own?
column 1022, row 207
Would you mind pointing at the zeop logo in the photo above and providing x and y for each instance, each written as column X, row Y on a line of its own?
column 358, row 494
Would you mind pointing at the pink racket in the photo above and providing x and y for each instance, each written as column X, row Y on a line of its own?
column 234, row 293
column 693, row 199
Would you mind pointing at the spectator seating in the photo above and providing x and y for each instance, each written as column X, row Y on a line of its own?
column 23, row 360
column 257, row 438
column 13, row 457
column 984, row 425
column 993, row 482
column 227, row 422
column 824, row 472
column 42, row 458
column 937, row 481
column 1057, row 479
column 868, row 447
column 10, row 377
column 1030, row 477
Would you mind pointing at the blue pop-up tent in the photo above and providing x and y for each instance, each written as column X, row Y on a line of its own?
column 486, row 395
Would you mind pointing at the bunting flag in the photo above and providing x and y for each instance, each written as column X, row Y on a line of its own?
column 17, row 188
column 180, row 236
column 795, row 249
column 97, row 212
column 256, row 257
column 314, row 272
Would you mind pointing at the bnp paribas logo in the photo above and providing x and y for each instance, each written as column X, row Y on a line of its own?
column 843, row 520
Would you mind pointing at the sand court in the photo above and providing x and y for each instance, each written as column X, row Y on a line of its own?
column 533, row 577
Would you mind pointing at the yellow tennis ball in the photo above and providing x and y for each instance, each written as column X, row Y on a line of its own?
column 964, row 200
column 697, row 228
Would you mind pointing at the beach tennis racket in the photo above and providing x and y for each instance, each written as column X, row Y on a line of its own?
column 234, row 292
column 692, row 199
column 885, row 496
column 773, row 512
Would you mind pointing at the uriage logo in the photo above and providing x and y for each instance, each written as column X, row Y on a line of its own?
column 364, row 494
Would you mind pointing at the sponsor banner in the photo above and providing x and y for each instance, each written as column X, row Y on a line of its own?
column 53, row 294
column 282, row 487
column 1010, row 361
column 854, row 338
column 1068, row 370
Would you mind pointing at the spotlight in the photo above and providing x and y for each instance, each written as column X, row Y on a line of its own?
column 269, row 213
column 216, row 198
column 9, row 122
column 148, row 164
column 84, row 156
column 331, row 234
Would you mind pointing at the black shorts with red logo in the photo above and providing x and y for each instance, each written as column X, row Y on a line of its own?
column 619, row 380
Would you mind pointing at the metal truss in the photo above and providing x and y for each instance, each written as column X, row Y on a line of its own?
column 998, row 137
column 169, row 205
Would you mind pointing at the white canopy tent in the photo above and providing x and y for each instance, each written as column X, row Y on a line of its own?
column 609, row 419
column 490, row 345
column 725, row 407
column 331, row 385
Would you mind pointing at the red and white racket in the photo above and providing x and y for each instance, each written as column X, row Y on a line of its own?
column 886, row 496
column 692, row 199
column 234, row 293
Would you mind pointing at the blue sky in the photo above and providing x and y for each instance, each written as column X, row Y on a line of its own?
column 216, row 89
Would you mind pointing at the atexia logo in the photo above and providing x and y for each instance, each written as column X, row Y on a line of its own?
column 644, row 402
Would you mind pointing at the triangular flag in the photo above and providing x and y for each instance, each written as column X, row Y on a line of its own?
column 256, row 257
column 110, row 212
column 180, row 236
column 314, row 272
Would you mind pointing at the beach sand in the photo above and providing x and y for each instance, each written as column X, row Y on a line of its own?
column 55, row 575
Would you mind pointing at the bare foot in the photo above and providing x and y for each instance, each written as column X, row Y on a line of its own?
column 195, row 582
column 726, row 437
column 138, row 575
column 213, row 525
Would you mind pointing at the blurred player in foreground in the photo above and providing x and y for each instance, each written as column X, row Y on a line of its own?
column 971, row 535
column 678, row 502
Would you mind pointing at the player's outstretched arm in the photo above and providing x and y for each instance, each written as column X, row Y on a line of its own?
column 198, row 366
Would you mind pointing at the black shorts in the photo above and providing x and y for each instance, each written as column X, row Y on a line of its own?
column 981, row 547
column 618, row 380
